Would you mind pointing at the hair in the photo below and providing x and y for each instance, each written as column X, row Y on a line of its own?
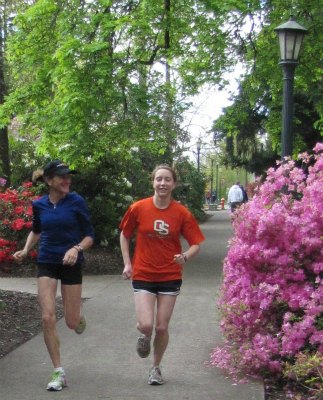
column 164, row 166
column 37, row 176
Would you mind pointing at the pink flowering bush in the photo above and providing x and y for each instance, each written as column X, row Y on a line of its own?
column 272, row 292
column 3, row 182
column 15, row 217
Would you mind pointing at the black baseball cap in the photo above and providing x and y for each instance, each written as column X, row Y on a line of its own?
column 57, row 167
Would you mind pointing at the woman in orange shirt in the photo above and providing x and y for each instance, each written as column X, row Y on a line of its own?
column 156, row 267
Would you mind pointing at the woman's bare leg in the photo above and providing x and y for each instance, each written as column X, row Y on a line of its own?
column 47, row 289
column 144, row 306
column 165, row 307
column 71, row 296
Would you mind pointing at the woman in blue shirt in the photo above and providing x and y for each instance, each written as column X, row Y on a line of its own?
column 61, row 225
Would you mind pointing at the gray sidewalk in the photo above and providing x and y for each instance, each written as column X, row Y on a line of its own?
column 102, row 363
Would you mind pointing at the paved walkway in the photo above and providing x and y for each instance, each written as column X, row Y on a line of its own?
column 102, row 363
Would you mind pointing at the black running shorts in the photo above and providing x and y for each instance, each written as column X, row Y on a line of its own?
column 169, row 287
column 68, row 274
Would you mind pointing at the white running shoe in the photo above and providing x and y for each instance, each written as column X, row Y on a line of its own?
column 57, row 382
column 143, row 346
column 155, row 377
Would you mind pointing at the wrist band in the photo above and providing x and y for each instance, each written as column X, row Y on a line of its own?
column 185, row 257
column 78, row 247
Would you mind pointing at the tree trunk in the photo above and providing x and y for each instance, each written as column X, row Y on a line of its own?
column 169, row 108
column 4, row 155
column 4, row 141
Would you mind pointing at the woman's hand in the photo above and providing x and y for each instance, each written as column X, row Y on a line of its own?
column 127, row 271
column 32, row 239
column 71, row 256
column 20, row 255
column 187, row 255
column 180, row 258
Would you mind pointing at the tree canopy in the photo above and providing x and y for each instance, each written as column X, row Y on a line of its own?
column 251, row 126
column 89, row 75
column 89, row 80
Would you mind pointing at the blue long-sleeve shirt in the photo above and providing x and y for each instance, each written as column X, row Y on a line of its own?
column 61, row 226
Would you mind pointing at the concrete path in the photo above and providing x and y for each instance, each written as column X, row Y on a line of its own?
column 102, row 363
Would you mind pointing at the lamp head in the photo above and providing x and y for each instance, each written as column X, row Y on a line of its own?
column 290, row 35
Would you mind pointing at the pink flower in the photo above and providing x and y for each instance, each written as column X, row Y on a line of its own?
column 272, row 293
column 4, row 242
column 15, row 203
column 17, row 224
column 19, row 210
column 27, row 184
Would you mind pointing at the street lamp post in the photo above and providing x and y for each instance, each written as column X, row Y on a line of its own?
column 198, row 147
column 290, row 36
column 217, row 180
column 211, row 182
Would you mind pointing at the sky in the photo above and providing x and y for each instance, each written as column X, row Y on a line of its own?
column 207, row 107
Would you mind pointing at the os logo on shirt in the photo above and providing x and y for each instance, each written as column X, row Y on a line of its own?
column 161, row 227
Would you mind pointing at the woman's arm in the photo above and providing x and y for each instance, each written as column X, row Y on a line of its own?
column 71, row 256
column 188, row 254
column 86, row 243
column 124, row 245
column 32, row 239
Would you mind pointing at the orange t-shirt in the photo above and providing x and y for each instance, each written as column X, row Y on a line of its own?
column 158, row 233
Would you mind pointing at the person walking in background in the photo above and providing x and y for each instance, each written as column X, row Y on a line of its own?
column 61, row 225
column 235, row 196
column 157, row 264
column 244, row 194
column 208, row 197
column 213, row 197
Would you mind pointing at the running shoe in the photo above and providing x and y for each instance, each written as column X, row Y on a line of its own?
column 155, row 377
column 143, row 346
column 81, row 326
column 57, row 382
